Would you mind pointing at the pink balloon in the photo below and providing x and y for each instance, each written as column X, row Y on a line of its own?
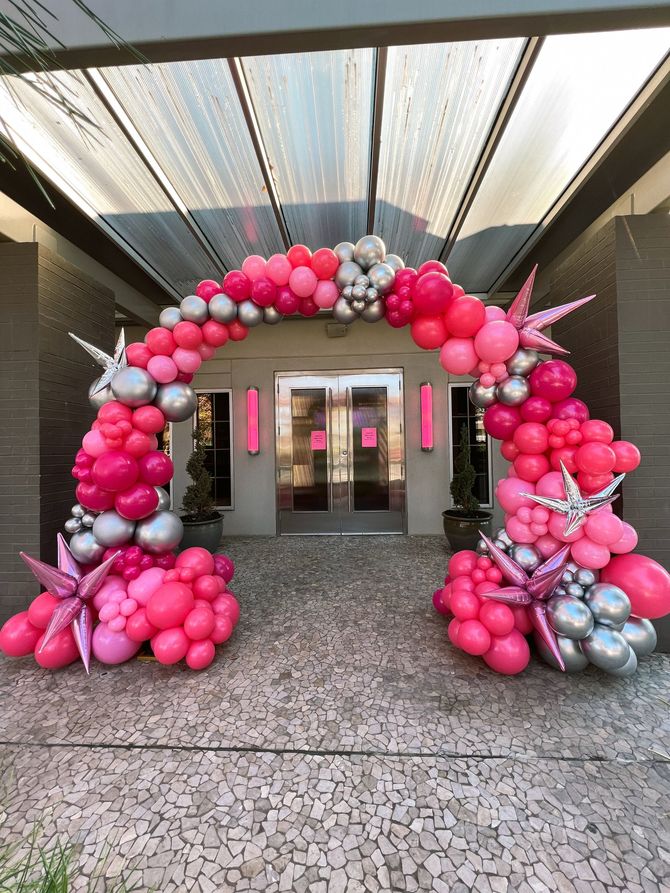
column 536, row 409
column 138, row 627
column 223, row 628
column 302, row 281
column 187, row 360
column 627, row 542
column 465, row 316
column 200, row 654
column 547, row 545
column 645, row 582
column 169, row 605
column 438, row 602
column 458, row 355
column 325, row 293
column 557, row 528
column 253, row 267
column 495, row 314
column 143, row 587
column 473, row 637
column 432, row 293
column 590, row 554
column 40, row 610
column 496, row 341
column 603, row 527
column 95, row 498
column 263, row 291
column 18, row 636
column 627, row 456
column 497, row 617
column 162, row 369
column 199, row 623
column 501, row 421
column 462, row 563
column 571, row 408
column 227, row 604
column 596, row 429
column 551, row 484
column 138, row 501
column 236, row 285
column 206, row 351
column 555, row 380
column 207, row 289
column 156, row 468
column 510, row 494
column 508, row 654
column 531, row 466
column 520, row 532
column 278, row 268
column 286, row 302
column 59, row 652
column 170, row 645
column 224, row 567
column 94, row 443
column 198, row 559
column 531, row 437
column 115, row 470
column 595, row 458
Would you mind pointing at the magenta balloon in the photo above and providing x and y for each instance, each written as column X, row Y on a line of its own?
column 263, row 291
column 115, row 470
column 156, row 468
column 508, row 654
column 138, row 501
column 555, row 380
column 111, row 647
column 286, row 301
column 236, row 285
column 432, row 293
column 644, row 581
column 224, row 567
column 18, row 636
column 93, row 497
column 571, row 408
column 536, row 409
column 501, row 421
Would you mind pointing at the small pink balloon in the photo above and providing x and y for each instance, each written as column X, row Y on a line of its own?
column 494, row 313
column 116, row 624
column 200, row 654
column 94, row 443
column 627, row 542
column 188, row 361
column 206, row 351
column 520, row 532
column 278, row 268
column 142, row 588
column 473, row 637
column 163, row 369
column 590, row 554
column 325, row 293
column 508, row 654
column 302, row 281
column 111, row 647
column 108, row 612
column 557, row 528
column 127, row 607
column 253, row 267
column 548, row 545
column 458, row 355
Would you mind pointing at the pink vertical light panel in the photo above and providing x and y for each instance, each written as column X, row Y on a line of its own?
column 253, row 447
column 426, row 417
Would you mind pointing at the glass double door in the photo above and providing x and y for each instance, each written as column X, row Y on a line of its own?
column 340, row 452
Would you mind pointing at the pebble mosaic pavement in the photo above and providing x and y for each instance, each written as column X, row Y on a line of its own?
column 340, row 745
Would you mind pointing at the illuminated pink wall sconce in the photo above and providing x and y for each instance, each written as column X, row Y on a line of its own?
column 426, row 417
column 253, row 445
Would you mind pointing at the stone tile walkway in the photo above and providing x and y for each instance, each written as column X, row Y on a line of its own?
column 339, row 743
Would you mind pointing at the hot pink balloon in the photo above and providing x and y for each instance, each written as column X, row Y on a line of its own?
column 557, row 528
column 645, row 582
column 143, row 587
column 325, row 294
column 263, row 291
column 302, row 281
column 473, row 637
column 603, row 527
column 162, row 369
column 156, row 468
column 520, row 532
column 495, row 314
column 590, row 554
column 138, row 501
column 627, row 542
column 458, row 355
column 170, row 645
column 555, row 380
column 18, row 636
column 508, row 654
column 200, row 654
column 286, row 301
column 496, row 341
column 253, row 267
column 115, row 470
column 94, row 443
column 551, row 484
column 278, row 268
column 510, row 494
column 462, row 563
column 547, row 545
column 536, row 409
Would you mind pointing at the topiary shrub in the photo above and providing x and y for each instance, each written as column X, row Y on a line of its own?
column 463, row 480
column 198, row 501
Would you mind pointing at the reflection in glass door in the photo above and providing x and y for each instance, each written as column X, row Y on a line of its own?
column 340, row 452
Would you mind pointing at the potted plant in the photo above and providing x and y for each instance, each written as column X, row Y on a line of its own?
column 463, row 522
column 203, row 525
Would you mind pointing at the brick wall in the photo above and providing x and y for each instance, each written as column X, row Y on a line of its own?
column 45, row 410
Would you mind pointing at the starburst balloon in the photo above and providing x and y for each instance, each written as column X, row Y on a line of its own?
column 531, row 591
column 111, row 365
column 575, row 506
column 74, row 589
column 530, row 327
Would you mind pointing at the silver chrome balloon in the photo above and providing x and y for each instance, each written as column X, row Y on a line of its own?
column 374, row 312
column 628, row 668
column 574, row 589
column 99, row 398
column 368, row 251
column 163, row 499
column 513, row 391
column 344, row 251
column 77, row 510
column 501, row 545
column 110, row 529
column 358, row 306
column 586, row 577
column 395, row 263
column 381, row 277
column 362, row 280
column 272, row 316
column 358, row 292
column 73, row 525
column 640, row 635
column 482, row 397
column 560, row 590
column 194, row 309
column 249, row 314
column 85, row 548
column 605, row 648
column 569, row 617
column 481, row 548
column 502, row 535
column 346, row 274
column 343, row 313
column 177, row 401
column 347, row 292
column 160, row 532
column 526, row 556
column 169, row 317
column 523, row 362
column 371, row 295
column 222, row 308
column 134, row 387
column 88, row 519
column 572, row 656
column 609, row 605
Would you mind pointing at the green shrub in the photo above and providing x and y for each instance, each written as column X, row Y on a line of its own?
column 463, row 480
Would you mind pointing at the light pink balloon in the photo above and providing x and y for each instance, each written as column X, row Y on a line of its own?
column 94, row 443
column 557, row 526
column 590, row 554
column 111, row 647
column 520, row 532
column 302, row 281
column 604, row 528
column 509, row 493
column 142, row 588
column 254, row 267
column 325, row 293
column 493, row 313
column 278, row 268
column 496, row 341
column 548, row 545
column 163, row 369
column 187, row 360
column 551, row 484
column 627, row 542
column 116, row 624
column 458, row 355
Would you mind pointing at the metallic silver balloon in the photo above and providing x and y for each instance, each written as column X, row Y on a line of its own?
column 88, row 519
column 374, row 312
column 501, row 545
column 358, row 292
column 358, row 306
column 369, row 250
column 344, row 251
column 395, row 263
column 513, row 391
column 572, row 656
column 481, row 548
column 169, row 317
column 362, row 280
column 272, row 316
column 343, row 313
column 346, row 274
column 567, row 577
column 249, row 314
column 222, row 308
column 134, row 387
column 160, row 532
column 85, row 547
column 609, row 605
column 628, row 668
column 194, row 309
column 381, row 277
column 347, row 292
column 163, row 499
column 77, row 510
column 371, row 294
column 502, row 535
column 482, row 397
column 73, row 525
column 523, row 362
column 575, row 590
column 640, row 635
column 569, row 617
column 177, row 401
column 605, row 648
column 102, row 397
column 560, row 590
column 111, row 529
column 586, row 577
column 526, row 556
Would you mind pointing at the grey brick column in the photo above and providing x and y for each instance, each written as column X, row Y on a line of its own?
column 44, row 410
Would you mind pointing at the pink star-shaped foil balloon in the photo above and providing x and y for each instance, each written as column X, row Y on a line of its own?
column 531, row 591
column 530, row 327
column 74, row 589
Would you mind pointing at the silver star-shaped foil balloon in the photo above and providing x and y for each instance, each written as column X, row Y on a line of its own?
column 111, row 365
column 530, row 327
column 531, row 591
column 576, row 507
column 74, row 589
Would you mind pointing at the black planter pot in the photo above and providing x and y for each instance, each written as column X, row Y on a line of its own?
column 462, row 531
column 206, row 534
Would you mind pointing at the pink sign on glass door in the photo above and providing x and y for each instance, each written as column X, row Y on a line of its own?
column 318, row 440
column 368, row 437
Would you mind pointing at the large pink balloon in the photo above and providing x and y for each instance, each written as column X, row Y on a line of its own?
column 604, row 528
column 510, row 494
column 138, row 501
column 645, row 582
column 253, row 267
column 462, row 563
column 115, row 470
column 501, row 421
column 627, row 542
column 458, row 355
column 554, row 380
column 571, row 408
column 144, row 586
column 59, row 652
column 111, row 647
column 170, row 645
column 432, row 293
column 278, row 268
column 496, row 341
column 590, row 554
column 325, row 293
column 302, row 281
column 198, row 559
column 508, row 654
column 169, row 605
column 41, row 608
column 18, row 636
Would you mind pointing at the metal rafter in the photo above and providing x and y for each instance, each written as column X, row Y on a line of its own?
column 516, row 85
column 381, row 57
column 244, row 97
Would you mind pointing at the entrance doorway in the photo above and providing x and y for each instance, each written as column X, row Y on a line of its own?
column 340, row 452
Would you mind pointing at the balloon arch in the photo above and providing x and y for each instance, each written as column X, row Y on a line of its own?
column 561, row 568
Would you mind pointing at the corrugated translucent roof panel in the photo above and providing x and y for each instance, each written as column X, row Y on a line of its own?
column 578, row 88
column 189, row 116
column 98, row 169
column 314, row 112
column 440, row 102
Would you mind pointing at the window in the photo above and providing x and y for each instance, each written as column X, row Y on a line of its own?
column 164, row 439
column 463, row 412
column 214, row 422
